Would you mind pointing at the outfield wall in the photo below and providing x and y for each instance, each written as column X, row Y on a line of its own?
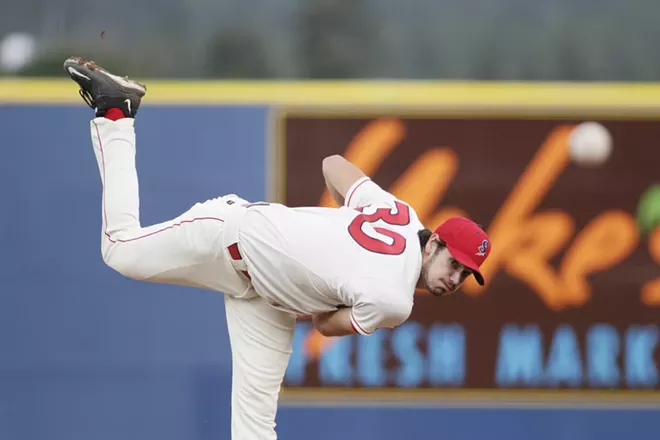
column 563, row 342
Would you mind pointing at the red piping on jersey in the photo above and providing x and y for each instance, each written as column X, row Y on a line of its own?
column 348, row 203
column 182, row 222
column 357, row 326
column 105, row 214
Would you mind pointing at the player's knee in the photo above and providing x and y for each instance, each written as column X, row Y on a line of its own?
column 117, row 262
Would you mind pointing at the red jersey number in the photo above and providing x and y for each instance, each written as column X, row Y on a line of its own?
column 399, row 218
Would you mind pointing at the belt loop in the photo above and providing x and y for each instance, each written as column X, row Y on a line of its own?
column 238, row 262
column 234, row 252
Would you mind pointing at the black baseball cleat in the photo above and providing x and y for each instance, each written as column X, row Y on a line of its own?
column 102, row 90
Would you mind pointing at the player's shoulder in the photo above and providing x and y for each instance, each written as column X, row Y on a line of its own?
column 414, row 218
column 366, row 192
column 398, row 205
column 398, row 212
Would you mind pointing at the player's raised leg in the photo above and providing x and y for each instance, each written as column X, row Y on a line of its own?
column 261, row 341
column 187, row 250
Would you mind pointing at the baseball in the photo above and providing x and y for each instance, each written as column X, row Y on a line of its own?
column 590, row 144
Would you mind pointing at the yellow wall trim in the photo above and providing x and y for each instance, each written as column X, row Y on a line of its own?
column 640, row 97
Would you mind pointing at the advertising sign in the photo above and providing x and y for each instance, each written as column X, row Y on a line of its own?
column 572, row 295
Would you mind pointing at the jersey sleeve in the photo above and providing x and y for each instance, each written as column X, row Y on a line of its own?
column 377, row 307
column 365, row 192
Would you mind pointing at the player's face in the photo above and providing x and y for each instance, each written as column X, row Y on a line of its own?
column 441, row 273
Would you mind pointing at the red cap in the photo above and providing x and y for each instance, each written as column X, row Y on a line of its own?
column 467, row 243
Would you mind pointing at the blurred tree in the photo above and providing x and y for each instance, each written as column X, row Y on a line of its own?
column 50, row 63
column 237, row 54
column 336, row 39
column 587, row 40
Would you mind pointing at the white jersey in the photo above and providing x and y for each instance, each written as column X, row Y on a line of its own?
column 365, row 255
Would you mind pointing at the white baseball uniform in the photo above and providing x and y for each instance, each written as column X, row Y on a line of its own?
column 271, row 261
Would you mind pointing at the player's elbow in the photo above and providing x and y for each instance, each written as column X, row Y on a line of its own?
column 336, row 323
column 325, row 329
column 329, row 163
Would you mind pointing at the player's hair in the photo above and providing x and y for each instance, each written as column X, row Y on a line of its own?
column 424, row 237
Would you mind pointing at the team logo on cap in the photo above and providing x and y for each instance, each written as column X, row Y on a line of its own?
column 482, row 249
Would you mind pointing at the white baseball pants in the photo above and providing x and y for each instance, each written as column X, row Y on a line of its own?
column 190, row 250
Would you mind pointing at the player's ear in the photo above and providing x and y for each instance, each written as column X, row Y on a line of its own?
column 435, row 238
column 431, row 244
column 438, row 243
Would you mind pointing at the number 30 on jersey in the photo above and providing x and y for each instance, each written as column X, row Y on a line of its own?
column 399, row 216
